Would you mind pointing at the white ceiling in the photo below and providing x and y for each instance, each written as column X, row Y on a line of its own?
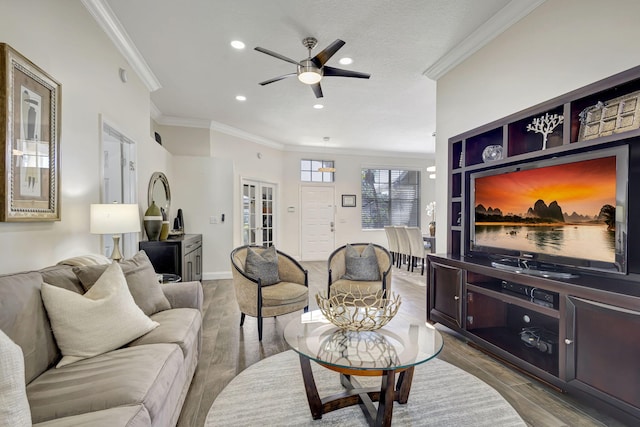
column 185, row 46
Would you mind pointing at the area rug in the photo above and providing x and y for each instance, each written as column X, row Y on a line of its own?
column 271, row 393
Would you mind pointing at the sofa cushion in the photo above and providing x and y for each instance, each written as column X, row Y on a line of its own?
column 361, row 266
column 141, row 279
column 14, row 407
column 62, row 276
column 128, row 376
column 24, row 319
column 263, row 265
column 129, row 416
column 103, row 319
column 88, row 259
column 178, row 326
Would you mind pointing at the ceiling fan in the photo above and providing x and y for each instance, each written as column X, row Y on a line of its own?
column 311, row 70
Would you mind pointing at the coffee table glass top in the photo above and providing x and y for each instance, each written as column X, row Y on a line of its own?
column 402, row 343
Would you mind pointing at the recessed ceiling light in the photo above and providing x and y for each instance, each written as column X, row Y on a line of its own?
column 318, row 106
column 237, row 44
column 241, row 98
column 432, row 176
column 346, row 61
column 431, row 169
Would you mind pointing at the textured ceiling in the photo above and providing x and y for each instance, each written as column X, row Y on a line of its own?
column 186, row 45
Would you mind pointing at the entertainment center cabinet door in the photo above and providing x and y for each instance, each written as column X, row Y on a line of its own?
column 444, row 295
column 603, row 345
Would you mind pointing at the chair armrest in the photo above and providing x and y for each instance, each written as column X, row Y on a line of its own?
column 184, row 294
column 290, row 270
column 337, row 267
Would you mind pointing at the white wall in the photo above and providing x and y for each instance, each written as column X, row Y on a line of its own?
column 65, row 41
column 211, row 186
column 204, row 190
column 561, row 46
column 188, row 141
column 347, row 181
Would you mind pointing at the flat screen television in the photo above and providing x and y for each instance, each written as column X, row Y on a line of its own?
column 546, row 215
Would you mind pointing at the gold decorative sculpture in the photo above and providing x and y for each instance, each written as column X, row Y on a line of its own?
column 353, row 311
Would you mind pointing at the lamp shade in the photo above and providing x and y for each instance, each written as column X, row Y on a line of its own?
column 114, row 218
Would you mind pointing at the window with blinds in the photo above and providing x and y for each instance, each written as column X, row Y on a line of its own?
column 390, row 197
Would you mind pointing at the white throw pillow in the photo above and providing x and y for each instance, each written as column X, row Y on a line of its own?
column 14, row 406
column 103, row 319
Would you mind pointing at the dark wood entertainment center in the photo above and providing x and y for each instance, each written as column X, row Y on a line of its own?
column 580, row 334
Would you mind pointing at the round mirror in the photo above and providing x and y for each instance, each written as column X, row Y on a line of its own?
column 159, row 191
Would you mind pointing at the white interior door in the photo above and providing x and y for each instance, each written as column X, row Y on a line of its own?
column 317, row 222
column 258, row 213
column 118, row 181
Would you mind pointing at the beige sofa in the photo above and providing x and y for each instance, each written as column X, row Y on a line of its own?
column 143, row 383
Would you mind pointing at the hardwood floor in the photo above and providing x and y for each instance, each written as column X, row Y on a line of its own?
column 228, row 349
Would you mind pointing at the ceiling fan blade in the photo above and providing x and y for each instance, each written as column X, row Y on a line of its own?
column 321, row 58
column 339, row 72
column 275, row 79
column 317, row 90
column 275, row 55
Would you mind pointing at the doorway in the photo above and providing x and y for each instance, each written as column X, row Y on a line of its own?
column 118, row 180
column 258, row 213
column 317, row 207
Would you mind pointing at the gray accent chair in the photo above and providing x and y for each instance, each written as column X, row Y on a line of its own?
column 289, row 295
column 337, row 269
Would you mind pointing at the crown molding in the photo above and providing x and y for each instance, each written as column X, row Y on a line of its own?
column 182, row 122
column 357, row 152
column 110, row 24
column 230, row 130
column 514, row 11
column 155, row 112
column 218, row 127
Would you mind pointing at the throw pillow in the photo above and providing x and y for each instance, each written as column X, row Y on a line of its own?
column 14, row 406
column 103, row 319
column 141, row 279
column 361, row 266
column 263, row 266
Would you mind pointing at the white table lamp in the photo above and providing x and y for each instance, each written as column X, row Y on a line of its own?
column 115, row 219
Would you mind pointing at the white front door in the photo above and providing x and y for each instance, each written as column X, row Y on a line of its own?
column 258, row 213
column 317, row 222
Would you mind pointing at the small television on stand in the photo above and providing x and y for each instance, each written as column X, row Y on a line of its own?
column 553, row 217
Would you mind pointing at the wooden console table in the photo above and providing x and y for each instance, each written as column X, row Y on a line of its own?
column 181, row 255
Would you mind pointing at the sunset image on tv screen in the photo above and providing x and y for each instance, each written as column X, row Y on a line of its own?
column 566, row 209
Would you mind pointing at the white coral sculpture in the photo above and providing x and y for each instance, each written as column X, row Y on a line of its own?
column 545, row 125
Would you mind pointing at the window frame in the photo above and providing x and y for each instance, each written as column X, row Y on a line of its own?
column 394, row 175
column 314, row 174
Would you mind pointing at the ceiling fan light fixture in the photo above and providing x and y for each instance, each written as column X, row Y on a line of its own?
column 308, row 73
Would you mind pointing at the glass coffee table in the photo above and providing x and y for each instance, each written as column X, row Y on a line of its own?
column 394, row 349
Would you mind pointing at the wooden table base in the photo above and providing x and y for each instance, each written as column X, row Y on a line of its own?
column 354, row 393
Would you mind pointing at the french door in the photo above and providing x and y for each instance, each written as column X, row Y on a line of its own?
column 258, row 213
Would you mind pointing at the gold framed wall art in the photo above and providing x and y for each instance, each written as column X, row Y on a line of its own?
column 30, row 129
